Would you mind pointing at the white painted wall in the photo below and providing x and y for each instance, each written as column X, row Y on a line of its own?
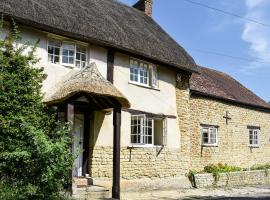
column 162, row 101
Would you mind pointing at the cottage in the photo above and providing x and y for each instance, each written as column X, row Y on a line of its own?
column 140, row 106
column 229, row 124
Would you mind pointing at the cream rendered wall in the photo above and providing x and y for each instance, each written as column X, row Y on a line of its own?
column 162, row 101
column 55, row 72
column 99, row 56
column 154, row 101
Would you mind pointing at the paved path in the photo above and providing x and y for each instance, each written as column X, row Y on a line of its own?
column 241, row 193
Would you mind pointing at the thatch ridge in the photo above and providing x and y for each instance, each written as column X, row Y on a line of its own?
column 87, row 80
column 106, row 22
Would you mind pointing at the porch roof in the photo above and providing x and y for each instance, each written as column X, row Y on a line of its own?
column 87, row 81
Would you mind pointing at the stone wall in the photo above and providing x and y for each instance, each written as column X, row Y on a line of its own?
column 233, row 179
column 183, row 112
column 233, row 138
column 156, row 162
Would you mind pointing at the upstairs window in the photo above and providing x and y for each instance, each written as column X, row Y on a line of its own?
column 67, row 53
column 147, row 131
column 254, row 137
column 209, row 135
column 54, row 47
column 80, row 56
column 143, row 73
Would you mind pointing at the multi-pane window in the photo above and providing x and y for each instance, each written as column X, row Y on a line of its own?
column 209, row 135
column 67, row 53
column 154, row 77
column 254, row 137
column 80, row 56
column 54, row 47
column 141, row 73
column 148, row 131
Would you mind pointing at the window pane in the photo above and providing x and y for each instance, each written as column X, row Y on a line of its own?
column 78, row 64
column 56, row 59
column 83, row 57
column 154, row 76
column 64, row 59
column 50, row 50
column 50, row 58
column 71, row 60
column 68, row 46
column 71, row 53
column 149, row 141
column 57, row 51
column 65, row 52
column 205, row 137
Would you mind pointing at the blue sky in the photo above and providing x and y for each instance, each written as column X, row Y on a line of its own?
column 204, row 33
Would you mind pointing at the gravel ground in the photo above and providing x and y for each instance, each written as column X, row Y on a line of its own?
column 240, row 193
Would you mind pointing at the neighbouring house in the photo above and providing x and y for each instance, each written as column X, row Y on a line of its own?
column 228, row 123
column 140, row 106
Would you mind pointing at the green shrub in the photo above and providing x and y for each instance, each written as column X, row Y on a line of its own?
column 260, row 167
column 35, row 157
column 220, row 168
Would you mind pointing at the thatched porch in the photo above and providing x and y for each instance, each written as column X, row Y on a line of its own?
column 81, row 93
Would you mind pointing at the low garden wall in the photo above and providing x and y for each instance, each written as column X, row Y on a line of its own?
column 239, row 178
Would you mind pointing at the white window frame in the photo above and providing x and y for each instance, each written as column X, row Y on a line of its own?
column 81, row 54
column 154, row 81
column 150, row 71
column 209, row 128
column 143, row 128
column 74, row 55
column 257, row 131
column 53, row 46
column 61, row 52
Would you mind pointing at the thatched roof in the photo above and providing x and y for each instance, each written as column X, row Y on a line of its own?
column 89, row 81
column 105, row 22
column 212, row 83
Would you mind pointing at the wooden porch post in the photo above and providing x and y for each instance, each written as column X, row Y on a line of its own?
column 116, row 152
column 110, row 65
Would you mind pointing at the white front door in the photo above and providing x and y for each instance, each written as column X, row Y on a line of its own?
column 77, row 148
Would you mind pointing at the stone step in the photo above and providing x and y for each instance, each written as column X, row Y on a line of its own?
column 82, row 181
column 91, row 192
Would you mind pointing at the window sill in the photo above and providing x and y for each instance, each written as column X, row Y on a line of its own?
column 209, row 145
column 144, row 146
column 254, row 146
column 143, row 86
column 65, row 66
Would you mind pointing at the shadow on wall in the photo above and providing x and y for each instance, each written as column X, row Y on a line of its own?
column 97, row 119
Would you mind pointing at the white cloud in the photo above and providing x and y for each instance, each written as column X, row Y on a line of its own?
column 256, row 35
column 253, row 3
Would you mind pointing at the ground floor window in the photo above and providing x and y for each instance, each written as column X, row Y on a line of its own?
column 254, row 137
column 148, row 131
column 209, row 135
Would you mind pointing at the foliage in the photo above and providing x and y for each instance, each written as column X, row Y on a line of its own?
column 220, row 168
column 265, row 167
column 35, row 157
column 261, row 167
